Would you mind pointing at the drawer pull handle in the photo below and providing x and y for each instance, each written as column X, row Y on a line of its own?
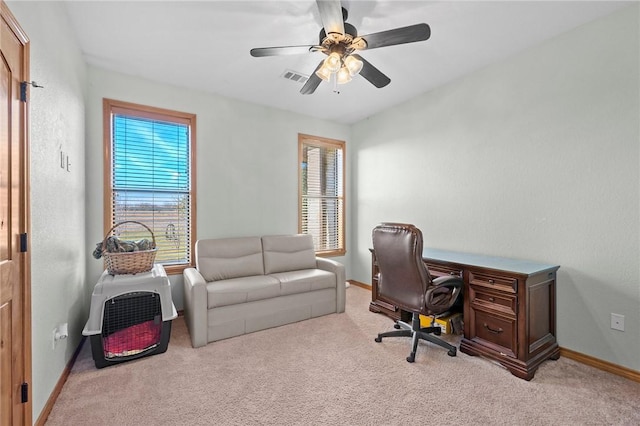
column 492, row 282
column 491, row 330
column 492, row 299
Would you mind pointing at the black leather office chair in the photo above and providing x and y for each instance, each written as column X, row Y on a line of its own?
column 405, row 281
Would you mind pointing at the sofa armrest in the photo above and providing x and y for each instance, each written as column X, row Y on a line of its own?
column 195, row 306
column 338, row 269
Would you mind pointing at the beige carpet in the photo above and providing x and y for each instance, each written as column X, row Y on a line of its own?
column 329, row 371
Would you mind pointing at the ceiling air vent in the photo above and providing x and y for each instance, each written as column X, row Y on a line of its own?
column 295, row 76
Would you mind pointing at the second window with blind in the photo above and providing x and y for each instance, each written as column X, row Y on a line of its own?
column 149, row 178
column 321, row 205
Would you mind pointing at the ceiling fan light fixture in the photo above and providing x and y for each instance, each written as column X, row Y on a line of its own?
column 333, row 62
column 353, row 65
column 324, row 73
column 343, row 75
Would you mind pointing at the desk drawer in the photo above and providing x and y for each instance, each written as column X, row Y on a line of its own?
column 481, row 297
column 493, row 282
column 497, row 332
column 436, row 270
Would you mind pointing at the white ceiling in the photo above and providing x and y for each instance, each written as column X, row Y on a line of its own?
column 205, row 45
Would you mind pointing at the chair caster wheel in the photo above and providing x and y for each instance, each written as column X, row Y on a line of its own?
column 378, row 339
column 411, row 358
column 396, row 326
column 452, row 352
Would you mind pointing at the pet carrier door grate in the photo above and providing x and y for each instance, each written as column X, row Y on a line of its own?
column 132, row 324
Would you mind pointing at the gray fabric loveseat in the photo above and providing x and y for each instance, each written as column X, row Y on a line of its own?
column 242, row 285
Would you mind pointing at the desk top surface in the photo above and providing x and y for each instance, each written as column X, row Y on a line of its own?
column 491, row 262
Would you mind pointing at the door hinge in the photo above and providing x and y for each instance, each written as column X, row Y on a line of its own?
column 25, row 392
column 23, row 243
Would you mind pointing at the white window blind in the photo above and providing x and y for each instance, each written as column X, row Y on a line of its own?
column 322, row 193
column 151, row 183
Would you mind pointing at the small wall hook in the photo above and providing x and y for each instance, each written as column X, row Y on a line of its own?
column 23, row 89
column 32, row 83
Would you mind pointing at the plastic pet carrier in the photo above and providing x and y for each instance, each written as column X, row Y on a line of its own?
column 130, row 317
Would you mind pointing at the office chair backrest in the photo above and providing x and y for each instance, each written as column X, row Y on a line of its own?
column 404, row 278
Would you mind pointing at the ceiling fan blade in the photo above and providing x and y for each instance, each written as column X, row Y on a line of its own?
column 314, row 81
column 281, row 51
column 410, row 34
column 331, row 16
column 371, row 73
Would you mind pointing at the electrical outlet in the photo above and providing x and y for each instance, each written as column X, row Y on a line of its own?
column 59, row 333
column 617, row 322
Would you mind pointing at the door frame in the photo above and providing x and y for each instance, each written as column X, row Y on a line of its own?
column 24, row 215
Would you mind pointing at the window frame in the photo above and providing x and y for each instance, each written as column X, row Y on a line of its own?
column 111, row 107
column 321, row 142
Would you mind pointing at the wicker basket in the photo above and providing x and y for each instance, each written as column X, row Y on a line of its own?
column 129, row 262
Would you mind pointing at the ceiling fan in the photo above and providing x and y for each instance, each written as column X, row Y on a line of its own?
column 339, row 41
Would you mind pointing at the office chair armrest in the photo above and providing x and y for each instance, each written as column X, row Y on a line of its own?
column 448, row 279
column 443, row 294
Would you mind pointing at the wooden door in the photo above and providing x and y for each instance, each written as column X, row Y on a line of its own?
column 15, row 311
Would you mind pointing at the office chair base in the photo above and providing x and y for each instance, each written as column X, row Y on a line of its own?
column 417, row 333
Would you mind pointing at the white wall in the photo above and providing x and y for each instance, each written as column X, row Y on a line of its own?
column 535, row 157
column 246, row 159
column 57, row 196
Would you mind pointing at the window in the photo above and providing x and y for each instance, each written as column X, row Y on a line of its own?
column 149, row 178
column 321, row 188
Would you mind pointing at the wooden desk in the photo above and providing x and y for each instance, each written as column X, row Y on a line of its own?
column 509, row 307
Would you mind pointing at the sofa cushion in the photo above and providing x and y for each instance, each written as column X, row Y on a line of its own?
column 221, row 259
column 304, row 280
column 241, row 290
column 288, row 253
